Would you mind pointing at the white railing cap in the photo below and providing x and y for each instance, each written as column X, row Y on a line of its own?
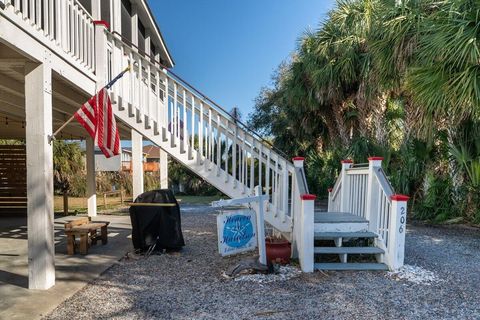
column 298, row 162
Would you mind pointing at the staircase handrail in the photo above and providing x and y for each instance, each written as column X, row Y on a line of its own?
column 198, row 92
column 384, row 182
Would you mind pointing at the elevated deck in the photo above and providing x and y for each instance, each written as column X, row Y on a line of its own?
column 339, row 222
column 337, row 217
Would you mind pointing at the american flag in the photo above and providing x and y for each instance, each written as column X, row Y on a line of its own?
column 96, row 116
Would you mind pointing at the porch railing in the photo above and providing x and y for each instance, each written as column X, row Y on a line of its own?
column 60, row 24
column 364, row 190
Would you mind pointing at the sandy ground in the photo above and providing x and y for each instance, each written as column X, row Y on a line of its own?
column 191, row 285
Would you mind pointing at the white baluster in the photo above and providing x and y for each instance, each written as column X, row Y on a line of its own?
column 192, row 128
column 131, row 87
column 82, row 38
column 173, row 123
column 260, row 165
column 166, row 106
column 252, row 166
column 200, row 133
column 210, row 136
column 148, row 95
column 219, row 145
column 45, row 19
column 51, row 14
column 227, row 158
column 244, row 162
column 158, row 104
column 17, row 6
column 25, row 5
column 285, row 190
column 37, row 20
column 184, row 142
column 267, row 178
column 234, row 155
column 32, row 12
column 274, row 185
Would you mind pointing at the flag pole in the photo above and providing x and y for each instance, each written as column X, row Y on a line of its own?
column 108, row 86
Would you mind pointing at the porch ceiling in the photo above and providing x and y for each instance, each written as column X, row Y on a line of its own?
column 67, row 98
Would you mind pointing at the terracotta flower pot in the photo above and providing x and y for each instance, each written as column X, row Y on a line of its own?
column 278, row 251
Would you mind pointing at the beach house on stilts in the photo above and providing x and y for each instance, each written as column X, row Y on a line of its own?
column 55, row 54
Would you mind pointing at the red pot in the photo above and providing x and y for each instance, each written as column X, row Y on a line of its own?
column 278, row 251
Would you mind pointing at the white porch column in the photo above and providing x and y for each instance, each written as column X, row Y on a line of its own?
column 137, row 163
column 345, row 191
column 91, row 182
column 38, row 110
column 163, row 169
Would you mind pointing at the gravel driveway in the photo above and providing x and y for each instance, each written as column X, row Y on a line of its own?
column 190, row 286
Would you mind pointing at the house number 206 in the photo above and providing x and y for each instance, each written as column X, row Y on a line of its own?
column 402, row 219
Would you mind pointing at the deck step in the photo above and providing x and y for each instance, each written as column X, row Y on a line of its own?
column 349, row 250
column 350, row 266
column 337, row 217
column 332, row 235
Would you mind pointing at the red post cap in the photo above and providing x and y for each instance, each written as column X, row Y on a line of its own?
column 347, row 161
column 375, row 158
column 298, row 159
column 399, row 197
column 308, row 197
column 101, row 22
column 330, row 189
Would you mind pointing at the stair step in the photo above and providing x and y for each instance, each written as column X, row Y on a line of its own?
column 349, row 250
column 332, row 235
column 350, row 266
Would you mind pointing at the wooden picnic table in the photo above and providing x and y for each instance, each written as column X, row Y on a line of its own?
column 87, row 231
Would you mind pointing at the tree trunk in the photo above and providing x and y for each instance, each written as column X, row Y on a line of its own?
column 65, row 202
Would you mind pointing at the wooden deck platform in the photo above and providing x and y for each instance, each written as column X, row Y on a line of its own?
column 337, row 217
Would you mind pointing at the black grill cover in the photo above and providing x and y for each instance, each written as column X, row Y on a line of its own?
column 148, row 223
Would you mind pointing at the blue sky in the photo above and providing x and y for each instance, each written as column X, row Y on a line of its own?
column 229, row 49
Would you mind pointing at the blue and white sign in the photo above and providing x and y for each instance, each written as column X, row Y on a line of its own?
column 237, row 232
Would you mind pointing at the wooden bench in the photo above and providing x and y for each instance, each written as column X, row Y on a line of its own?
column 86, row 230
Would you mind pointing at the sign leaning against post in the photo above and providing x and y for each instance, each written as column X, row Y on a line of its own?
column 240, row 230
column 237, row 232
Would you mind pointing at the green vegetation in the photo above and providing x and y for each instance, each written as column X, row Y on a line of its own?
column 398, row 79
column 70, row 175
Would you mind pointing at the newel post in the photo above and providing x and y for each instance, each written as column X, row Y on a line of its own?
column 345, row 191
column 298, row 162
column 371, row 208
column 306, row 222
column 303, row 219
column 397, row 229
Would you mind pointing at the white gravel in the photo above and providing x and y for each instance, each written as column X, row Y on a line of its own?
column 191, row 285
column 284, row 273
column 417, row 275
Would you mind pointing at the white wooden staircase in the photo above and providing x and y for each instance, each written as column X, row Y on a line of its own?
column 197, row 133
column 205, row 138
